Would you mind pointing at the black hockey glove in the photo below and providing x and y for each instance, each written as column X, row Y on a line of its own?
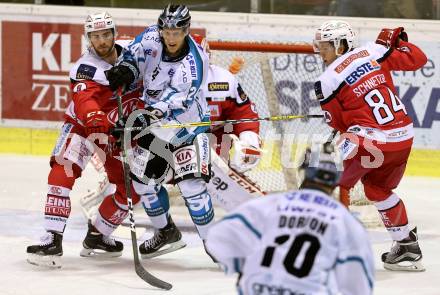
column 139, row 120
column 123, row 74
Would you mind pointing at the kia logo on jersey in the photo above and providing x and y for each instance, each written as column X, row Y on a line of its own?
column 127, row 108
column 360, row 71
column 184, row 156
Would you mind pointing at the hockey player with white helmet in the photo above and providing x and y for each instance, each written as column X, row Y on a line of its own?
column 359, row 98
column 86, row 130
column 299, row 242
column 173, row 68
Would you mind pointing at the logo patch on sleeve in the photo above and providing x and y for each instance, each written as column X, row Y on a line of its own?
column 218, row 86
column 242, row 94
column 79, row 87
column 318, row 90
column 85, row 72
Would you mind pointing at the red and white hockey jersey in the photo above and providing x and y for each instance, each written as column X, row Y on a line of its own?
column 90, row 91
column 228, row 101
column 357, row 94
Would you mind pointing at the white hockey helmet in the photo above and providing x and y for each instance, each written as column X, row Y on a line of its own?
column 335, row 31
column 97, row 22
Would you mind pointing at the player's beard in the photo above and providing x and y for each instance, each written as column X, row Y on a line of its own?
column 104, row 52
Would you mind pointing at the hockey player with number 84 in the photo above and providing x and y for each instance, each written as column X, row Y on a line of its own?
column 359, row 99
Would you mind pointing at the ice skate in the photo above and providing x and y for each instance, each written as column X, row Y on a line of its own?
column 165, row 240
column 48, row 252
column 405, row 255
column 97, row 245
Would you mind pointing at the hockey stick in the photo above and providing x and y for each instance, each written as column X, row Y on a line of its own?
column 328, row 147
column 216, row 123
column 140, row 270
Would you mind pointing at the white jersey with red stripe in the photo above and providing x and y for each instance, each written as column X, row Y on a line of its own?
column 357, row 94
column 301, row 242
column 228, row 101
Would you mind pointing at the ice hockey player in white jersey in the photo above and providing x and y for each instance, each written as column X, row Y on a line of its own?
column 299, row 242
column 173, row 68
column 227, row 100
column 228, row 188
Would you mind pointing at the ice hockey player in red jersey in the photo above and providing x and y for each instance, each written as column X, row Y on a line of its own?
column 358, row 97
column 85, row 131
column 228, row 101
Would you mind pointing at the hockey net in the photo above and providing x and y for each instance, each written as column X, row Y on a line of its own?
column 279, row 79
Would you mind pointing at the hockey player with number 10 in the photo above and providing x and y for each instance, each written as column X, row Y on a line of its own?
column 300, row 242
column 358, row 96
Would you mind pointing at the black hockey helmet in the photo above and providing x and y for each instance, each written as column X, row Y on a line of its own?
column 323, row 172
column 174, row 17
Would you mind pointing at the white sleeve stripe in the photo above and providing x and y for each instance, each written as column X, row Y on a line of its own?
column 361, row 261
column 245, row 222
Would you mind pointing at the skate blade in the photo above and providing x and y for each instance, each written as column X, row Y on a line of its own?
column 415, row 266
column 97, row 253
column 50, row 261
column 171, row 248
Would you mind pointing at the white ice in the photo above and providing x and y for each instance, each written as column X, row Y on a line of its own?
column 23, row 188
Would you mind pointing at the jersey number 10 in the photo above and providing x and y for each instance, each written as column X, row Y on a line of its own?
column 381, row 110
column 313, row 245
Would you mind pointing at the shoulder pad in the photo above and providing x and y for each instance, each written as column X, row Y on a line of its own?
column 151, row 36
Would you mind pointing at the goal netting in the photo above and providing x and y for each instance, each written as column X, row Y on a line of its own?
column 279, row 79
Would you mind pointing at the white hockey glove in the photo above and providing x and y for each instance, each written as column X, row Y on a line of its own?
column 247, row 152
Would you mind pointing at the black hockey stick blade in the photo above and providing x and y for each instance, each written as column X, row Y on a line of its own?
column 149, row 278
column 139, row 268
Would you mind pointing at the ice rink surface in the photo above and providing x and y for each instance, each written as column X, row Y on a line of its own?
column 23, row 189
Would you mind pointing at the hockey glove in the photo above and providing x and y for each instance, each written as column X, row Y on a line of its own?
column 123, row 74
column 390, row 38
column 96, row 122
column 139, row 118
column 118, row 131
column 154, row 114
column 247, row 152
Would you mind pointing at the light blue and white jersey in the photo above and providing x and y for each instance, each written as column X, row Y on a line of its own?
column 301, row 242
column 174, row 87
